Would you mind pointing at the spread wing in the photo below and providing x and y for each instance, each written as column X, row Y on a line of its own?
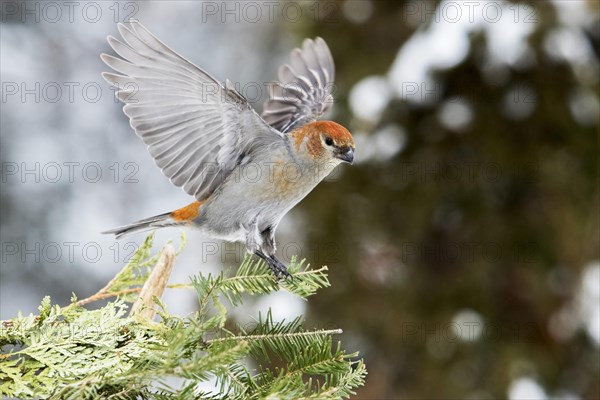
column 305, row 89
column 196, row 128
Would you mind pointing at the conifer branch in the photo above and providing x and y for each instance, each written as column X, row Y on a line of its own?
column 74, row 353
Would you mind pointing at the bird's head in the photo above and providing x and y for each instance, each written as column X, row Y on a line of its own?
column 325, row 142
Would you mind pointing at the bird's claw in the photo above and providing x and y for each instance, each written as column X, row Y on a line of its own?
column 278, row 268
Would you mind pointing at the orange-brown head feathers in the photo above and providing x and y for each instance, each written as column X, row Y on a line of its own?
column 338, row 134
column 325, row 140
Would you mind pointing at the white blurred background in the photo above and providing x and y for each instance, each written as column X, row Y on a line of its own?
column 72, row 167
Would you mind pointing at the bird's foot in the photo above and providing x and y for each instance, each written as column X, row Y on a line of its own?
column 277, row 267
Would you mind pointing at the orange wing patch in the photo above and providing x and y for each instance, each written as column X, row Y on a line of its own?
column 187, row 213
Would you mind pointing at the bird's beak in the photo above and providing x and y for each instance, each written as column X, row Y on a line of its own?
column 345, row 154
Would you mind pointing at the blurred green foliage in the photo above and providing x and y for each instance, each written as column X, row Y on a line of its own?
column 412, row 245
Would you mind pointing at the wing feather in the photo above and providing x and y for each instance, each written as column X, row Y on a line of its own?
column 196, row 128
column 304, row 90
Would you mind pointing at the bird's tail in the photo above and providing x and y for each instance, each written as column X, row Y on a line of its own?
column 158, row 221
column 182, row 216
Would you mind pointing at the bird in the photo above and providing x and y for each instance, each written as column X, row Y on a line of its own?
column 244, row 170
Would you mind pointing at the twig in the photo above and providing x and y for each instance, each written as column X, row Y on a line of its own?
column 155, row 285
column 276, row 335
column 103, row 294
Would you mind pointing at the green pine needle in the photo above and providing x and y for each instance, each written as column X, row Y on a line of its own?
column 74, row 353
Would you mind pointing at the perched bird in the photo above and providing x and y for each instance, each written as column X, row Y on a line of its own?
column 245, row 171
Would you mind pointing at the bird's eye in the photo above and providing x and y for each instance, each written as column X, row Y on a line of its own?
column 328, row 141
